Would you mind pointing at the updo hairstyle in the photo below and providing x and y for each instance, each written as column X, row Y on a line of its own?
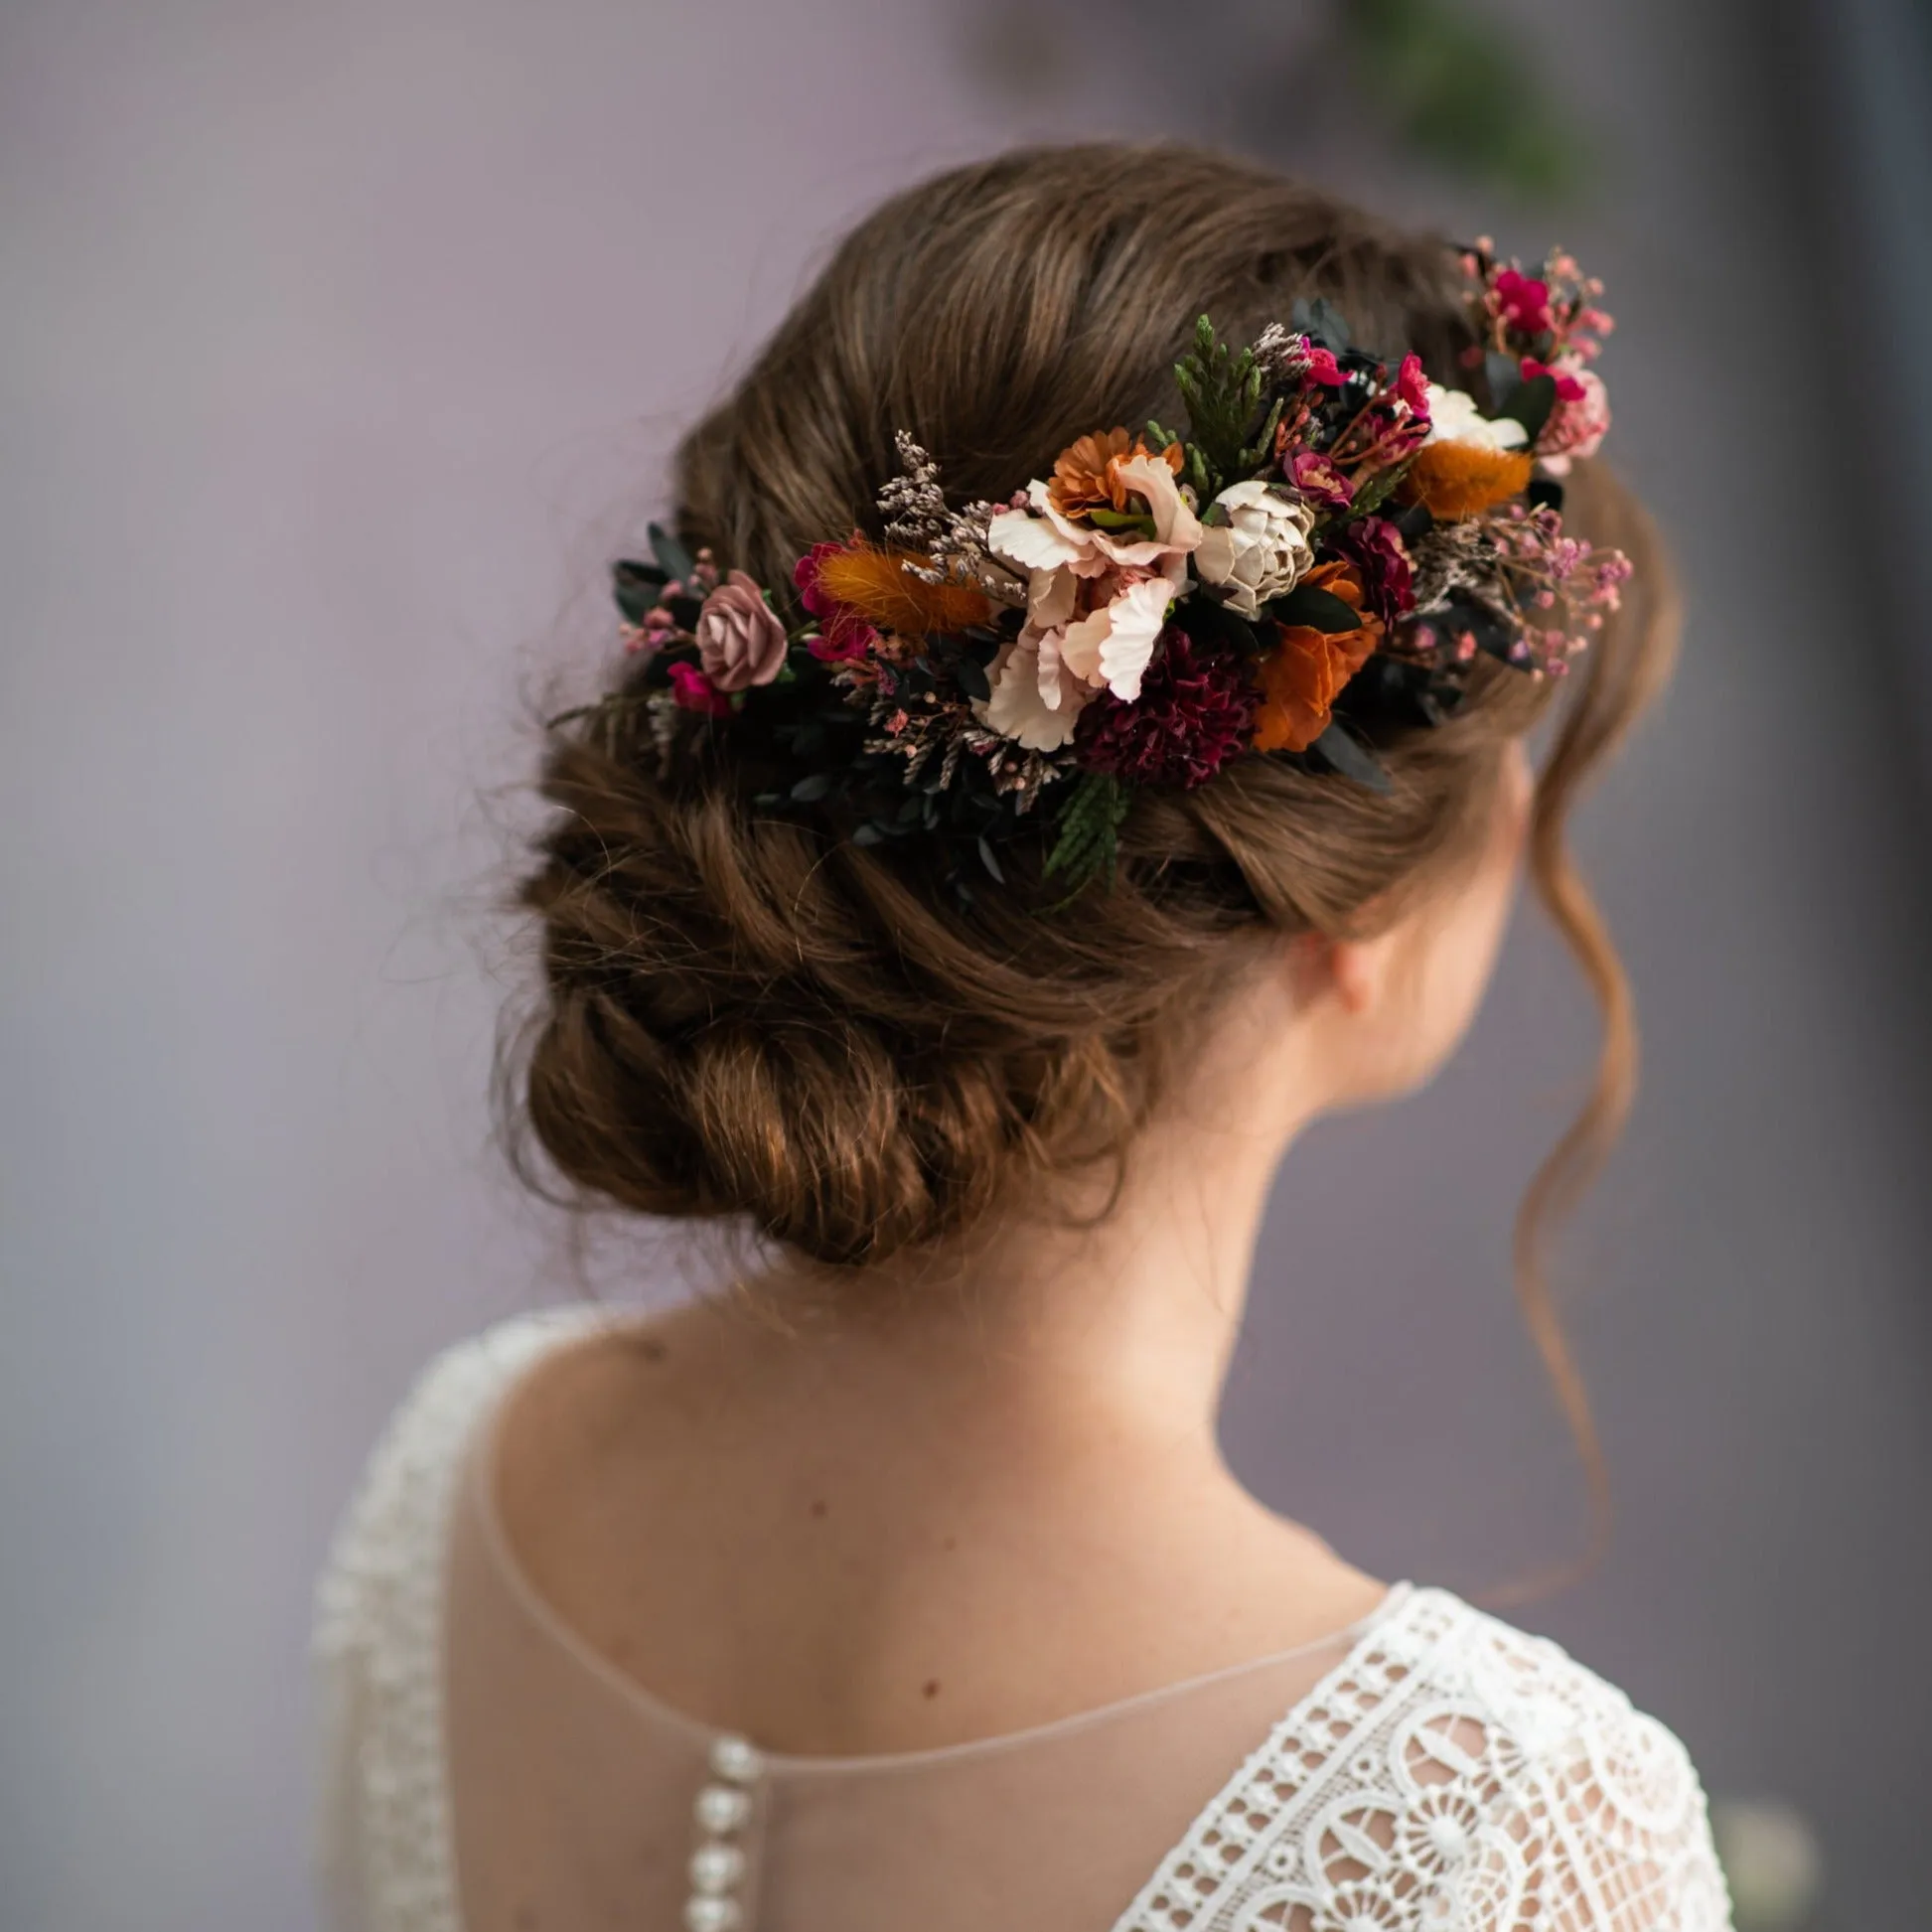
column 746, row 1015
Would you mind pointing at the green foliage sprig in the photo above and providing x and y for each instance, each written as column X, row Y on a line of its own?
column 1227, row 435
column 1088, row 844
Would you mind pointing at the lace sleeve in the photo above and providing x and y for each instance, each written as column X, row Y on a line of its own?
column 383, row 1828
column 1577, row 1820
column 1454, row 1775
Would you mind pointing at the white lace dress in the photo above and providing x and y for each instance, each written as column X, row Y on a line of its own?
column 1431, row 1770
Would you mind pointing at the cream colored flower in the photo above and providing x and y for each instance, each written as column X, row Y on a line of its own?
column 1261, row 551
column 1453, row 417
column 1018, row 708
column 1096, row 599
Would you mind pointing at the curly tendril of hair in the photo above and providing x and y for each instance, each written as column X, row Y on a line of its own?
column 745, row 1016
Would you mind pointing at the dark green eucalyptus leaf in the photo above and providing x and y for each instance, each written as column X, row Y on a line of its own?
column 971, row 676
column 813, row 787
column 1353, row 759
column 1530, row 403
column 672, row 555
column 1215, row 624
column 1319, row 610
column 868, row 835
column 1502, row 373
column 989, row 862
column 1323, row 320
column 635, row 586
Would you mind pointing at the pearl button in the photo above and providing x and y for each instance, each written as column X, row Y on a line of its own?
column 736, row 1758
column 720, row 1810
column 713, row 1915
column 716, row 1868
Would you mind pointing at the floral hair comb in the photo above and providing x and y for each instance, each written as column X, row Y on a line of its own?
column 1312, row 564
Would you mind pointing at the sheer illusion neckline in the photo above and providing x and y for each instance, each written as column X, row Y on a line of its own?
column 480, row 1495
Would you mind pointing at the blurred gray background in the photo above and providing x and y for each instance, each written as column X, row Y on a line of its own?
column 340, row 349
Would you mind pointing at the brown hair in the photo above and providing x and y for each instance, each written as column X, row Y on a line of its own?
column 745, row 1016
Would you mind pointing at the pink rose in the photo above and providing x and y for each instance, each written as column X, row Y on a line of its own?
column 740, row 640
column 1581, row 415
column 696, row 692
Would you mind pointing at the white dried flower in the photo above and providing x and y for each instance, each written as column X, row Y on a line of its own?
column 1261, row 551
column 1454, row 418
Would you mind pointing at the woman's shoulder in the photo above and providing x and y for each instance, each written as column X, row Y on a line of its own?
column 1518, row 1683
column 395, row 1521
column 1455, row 1759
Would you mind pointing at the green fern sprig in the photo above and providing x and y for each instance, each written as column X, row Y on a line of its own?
column 1088, row 841
column 1222, row 389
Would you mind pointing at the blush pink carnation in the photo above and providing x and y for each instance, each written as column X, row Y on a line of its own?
column 1577, row 423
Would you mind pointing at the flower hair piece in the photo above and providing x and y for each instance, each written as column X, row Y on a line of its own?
column 1310, row 566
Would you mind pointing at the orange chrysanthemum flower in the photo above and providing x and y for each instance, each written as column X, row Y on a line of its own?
column 1301, row 678
column 1458, row 479
column 1087, row 473
column 876, row 584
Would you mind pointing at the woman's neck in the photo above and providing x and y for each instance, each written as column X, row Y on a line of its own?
column 1118, row 1314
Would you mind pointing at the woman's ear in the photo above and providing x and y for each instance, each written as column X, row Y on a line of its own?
column 1352, row 972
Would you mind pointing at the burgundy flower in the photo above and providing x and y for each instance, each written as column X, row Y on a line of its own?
column 1375, row 547
column 842, row 642
column 696, row 692
column 1194, row 712
column 847, row 632
column 1319, row 481
column 1523, row 301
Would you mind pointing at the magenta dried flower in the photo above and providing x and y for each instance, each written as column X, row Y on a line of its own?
column 1375, row 547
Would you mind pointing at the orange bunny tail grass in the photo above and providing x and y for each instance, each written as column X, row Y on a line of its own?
column 1458, row 479
column 878, row 584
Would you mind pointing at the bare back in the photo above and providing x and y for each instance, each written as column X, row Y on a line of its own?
column 808, row 1542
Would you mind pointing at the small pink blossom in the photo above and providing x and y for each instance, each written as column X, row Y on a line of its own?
column 1411, row 385
column 696, row 692
column 1319, row 481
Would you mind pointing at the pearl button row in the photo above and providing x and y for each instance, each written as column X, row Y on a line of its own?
column 723, row 1809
